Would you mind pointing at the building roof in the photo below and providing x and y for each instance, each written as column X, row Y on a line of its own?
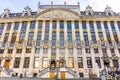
column 76, row 8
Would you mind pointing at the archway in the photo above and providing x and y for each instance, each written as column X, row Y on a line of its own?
column 62, row 63
column 53, row 64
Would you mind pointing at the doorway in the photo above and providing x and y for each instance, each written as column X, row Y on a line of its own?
column 53, row 64
column 61, row 63
column 62, row 74
column 52, row 75
column 7, row 63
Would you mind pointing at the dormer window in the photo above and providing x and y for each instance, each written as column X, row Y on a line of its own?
column 5, row 16
column 89, row 10
column 5, row 13
column 26, row 14
column 108, row 11
column 89, row 14
column 27, row 11
column 109, row 14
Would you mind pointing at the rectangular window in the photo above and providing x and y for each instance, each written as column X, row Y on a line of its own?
column 104, row 50
column 70, row 50
column 22, row 36
column 112, row 25
column 47, row 24
column 97, row 60
column 24, row 25
column 91, row 25
column 45, row 62
column 84, row 25
column 16, row 26
column 1, row 51
column 71, row 62
column 53, row 38
column 40, row 24
column 61, row 38
column 61, row 24
column 96, row 50
column 69, row 27
column 54, row 24
column 37, row 50
column 46, row 37
column 36, row 62
column 119, row 50
column 77, row 34
column 105, row 25
column 14, row 35
column 62, row 50
column 53, row 50
column 45, row 50
column 26, row 62
column 31, row 35
column 87, row 50
column 118, row 23
column 39, row 34
column 28, row 50
column 17, row 62
column 19, row 50
column 112, row 50
column 76, row 23
column 98, row 25
column 9, row 26
column 69, row 37
column 108, row 37
column 89, row 62
column 93, row 37
column 80, row 62
column 79, row 50
column 1, row 28
column 10, row 51
column 116, row 37
column 85, row 34
column 6, row 37
column 32, row 25
column 100, row 36
column 115, row 63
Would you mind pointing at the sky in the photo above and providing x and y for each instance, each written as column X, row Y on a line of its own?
column 97, row 5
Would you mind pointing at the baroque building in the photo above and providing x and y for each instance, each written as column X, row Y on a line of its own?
column 59, row 40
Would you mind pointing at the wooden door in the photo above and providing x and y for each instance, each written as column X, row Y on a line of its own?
column 52, row 75
column 62, row 74
column 7, row 63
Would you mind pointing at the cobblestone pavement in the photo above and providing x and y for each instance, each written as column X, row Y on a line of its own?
column 34, row 78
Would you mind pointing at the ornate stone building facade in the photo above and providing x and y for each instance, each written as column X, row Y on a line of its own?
column 59, row 40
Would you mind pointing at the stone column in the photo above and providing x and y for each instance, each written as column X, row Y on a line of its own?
column 57, row 40
column 33, row 51
column 86, row 75
column 110, row 30
column 41, row 48
column 65, row 42
column 24, row 49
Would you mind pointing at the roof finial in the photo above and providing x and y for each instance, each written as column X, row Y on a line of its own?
column 78, row 3
column 65, row 3
column 52, row 2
